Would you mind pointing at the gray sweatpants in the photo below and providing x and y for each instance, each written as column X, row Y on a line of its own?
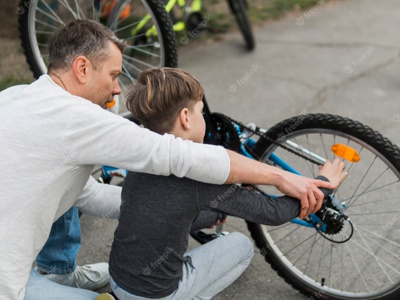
column 216, row 265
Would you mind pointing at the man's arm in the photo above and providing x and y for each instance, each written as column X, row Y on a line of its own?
column 102, row 200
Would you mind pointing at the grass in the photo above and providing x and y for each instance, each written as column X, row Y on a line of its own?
column 11, row 80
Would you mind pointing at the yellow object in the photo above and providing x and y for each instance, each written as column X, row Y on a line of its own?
column 110, row 104
column 346, row 152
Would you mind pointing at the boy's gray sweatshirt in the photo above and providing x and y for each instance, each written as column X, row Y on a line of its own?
column 155, row 219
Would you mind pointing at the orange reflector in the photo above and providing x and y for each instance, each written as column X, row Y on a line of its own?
column 110, row 104
column 346, row 152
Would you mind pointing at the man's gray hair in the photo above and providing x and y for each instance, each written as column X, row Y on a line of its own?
column 80, row 37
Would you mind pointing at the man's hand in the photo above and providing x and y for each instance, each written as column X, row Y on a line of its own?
column 333, row 171
column 306, row 190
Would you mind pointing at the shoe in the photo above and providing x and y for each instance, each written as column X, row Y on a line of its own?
column 88, row 277
column 105, row 297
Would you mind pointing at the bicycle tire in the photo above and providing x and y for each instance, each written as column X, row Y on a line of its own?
column 277, row 249
column 168, row 38
column 39, row 19
column 239, row 10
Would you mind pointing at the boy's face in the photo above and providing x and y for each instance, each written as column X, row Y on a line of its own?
column 197, row 123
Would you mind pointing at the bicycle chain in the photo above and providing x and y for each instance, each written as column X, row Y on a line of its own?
column 263, row 135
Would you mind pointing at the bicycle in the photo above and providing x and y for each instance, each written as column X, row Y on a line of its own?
column 338, row 252
column 192, row 18
column 38, row 19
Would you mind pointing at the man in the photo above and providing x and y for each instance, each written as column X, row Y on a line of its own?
column 55, row 130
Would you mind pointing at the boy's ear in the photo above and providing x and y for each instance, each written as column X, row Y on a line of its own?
column 184, row 118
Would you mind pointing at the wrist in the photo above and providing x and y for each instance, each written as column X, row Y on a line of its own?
column 277, row 176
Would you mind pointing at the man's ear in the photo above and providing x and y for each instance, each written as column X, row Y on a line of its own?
column 80, row 67
column 184, row 118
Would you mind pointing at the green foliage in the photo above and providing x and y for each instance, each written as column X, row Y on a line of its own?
column 11, row 80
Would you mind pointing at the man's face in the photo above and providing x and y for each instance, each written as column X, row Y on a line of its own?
column 103, row 82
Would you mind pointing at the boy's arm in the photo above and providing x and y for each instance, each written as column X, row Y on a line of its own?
column 251, row 206
column 245, row 170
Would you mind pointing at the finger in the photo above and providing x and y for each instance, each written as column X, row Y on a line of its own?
column 312, row 202
column 323, row 184
column 344, row 176
column 319, row 196
column 304, row 207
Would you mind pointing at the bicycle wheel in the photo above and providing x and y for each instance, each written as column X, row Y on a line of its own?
column 239, row 10
column 357, row 258
column 41, row 18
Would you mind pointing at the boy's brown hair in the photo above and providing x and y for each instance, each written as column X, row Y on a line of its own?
column 160, row 94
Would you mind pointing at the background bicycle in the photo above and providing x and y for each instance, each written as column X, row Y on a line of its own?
column 39, row 19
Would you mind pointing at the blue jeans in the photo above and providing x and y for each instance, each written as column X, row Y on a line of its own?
column 216, row 265
column 58, row 255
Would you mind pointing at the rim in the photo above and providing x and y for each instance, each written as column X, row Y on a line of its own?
column 44, row 20
column 367, row 265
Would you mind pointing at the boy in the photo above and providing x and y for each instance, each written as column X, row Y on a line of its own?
column 148, row 259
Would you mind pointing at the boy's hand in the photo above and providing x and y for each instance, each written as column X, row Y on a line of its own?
column 333, row 171
column 305, row 189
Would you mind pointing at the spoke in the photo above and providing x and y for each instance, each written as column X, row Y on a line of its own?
column 49, row 16
column 323, row 145
column 95, row 15
column 119, row 21
column 146, row 18
column 359, row 272
column 330, row 266
column 388, row 265
column 127, row 73
column 362, row 179
column 69, row 8
column 143, row 51
column 308, row 163
column 142, row 45
column 136, row 60
column 299, row 244
column 133, row 66
column 381, row 187
column 287, row 224
column 376, row 213
column 45, row 24
column 58, row 19
column 298, row 227
column 369, row 248
column 352, row 202
column 134, row 37
column 309, row 148
column 381, row 200
column 334, row 143
column 320, row 259
column 381, row 237
column 309, row 256
column 79, row 9
column 44, row 32
column 342, row 269
column 395, row 255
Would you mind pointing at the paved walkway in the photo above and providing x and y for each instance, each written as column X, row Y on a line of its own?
column 342, row 57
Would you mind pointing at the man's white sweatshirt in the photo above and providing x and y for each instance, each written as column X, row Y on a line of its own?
column 50, row 141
